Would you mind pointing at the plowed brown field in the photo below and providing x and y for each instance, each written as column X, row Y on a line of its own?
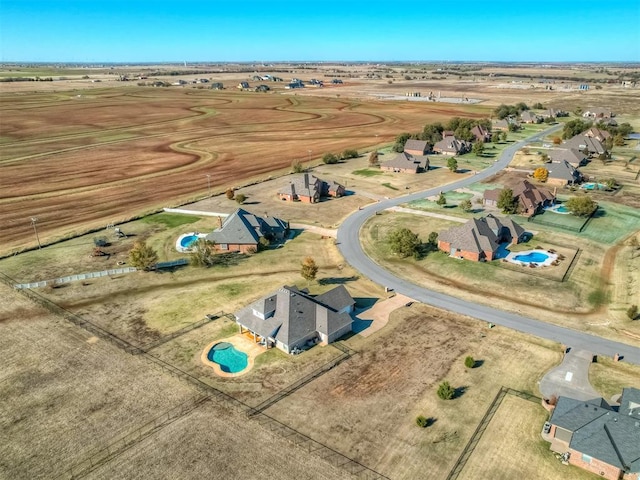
column 81, row 159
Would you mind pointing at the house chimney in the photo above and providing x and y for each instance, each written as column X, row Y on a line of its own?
column 220, row 222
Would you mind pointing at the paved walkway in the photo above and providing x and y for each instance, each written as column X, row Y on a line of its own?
column 373, row 319
column 570, row 378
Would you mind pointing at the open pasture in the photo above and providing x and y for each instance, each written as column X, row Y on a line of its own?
column 80, row 159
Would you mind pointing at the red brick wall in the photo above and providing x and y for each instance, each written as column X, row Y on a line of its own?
column 232, row 247
column 596, row 466
column 284, row 196
column 446, row 247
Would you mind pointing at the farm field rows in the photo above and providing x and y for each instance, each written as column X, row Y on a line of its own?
column 82, row 159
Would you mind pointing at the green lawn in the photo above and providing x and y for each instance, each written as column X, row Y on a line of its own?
column 171, row 220
column 367, row 172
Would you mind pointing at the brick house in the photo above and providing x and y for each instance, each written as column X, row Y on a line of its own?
column 562, row 173
column 309, row 189
column 530, row 117
column 531, row 198
column 291, row 319
column 572, row 155
column 241, row 232
column 597, row 437
column 416, row 147
column 481, row 134
column 480, row 238
column 585, row 143
column 406, row 163
column 597, row 133
column 450, row 145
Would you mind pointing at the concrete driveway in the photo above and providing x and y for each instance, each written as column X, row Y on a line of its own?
column 570, row 378
column 373, row 319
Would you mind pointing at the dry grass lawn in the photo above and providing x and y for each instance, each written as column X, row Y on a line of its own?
column 366, row 407
column 511, row 447
column 609, row 377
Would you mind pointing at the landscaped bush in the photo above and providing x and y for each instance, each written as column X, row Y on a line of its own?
column 469, row 362
column 329, row 158
column 349, row 153
column 422, row 421
column 632, row 312
column 241, row 198
column 446, row 391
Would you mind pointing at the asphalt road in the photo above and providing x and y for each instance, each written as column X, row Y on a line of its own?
column 349, row 244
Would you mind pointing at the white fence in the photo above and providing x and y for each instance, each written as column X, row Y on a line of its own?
column 75, row 278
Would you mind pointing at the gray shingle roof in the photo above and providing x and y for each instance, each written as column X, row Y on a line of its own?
column 419, row 145
column 244, row 228
column 600, row 432
column 572, row 155
column 563, row 170
column 406, row 161
column 581, row 142
column 452, row 145
column 294, row 314
column 481, row 234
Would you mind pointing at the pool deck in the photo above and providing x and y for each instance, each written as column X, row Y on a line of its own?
column 551, row 257
column 241, row 343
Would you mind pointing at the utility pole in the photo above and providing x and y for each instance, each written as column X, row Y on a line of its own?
column 208, row 183
column 34, row 220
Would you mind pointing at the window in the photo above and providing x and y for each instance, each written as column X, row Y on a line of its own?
column 586, row 458
column 223, row 246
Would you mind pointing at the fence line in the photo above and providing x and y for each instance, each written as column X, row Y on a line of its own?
column 298, row 384
column 482, row 426
column 75, row 278
column 162, row 340
column 221, row 398
column 130, row 439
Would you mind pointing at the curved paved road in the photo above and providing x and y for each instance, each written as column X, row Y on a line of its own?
column 349, row 244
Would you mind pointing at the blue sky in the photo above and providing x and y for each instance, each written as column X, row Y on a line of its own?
column 325, row 30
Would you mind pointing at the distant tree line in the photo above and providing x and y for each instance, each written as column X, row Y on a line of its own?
column 432, row 132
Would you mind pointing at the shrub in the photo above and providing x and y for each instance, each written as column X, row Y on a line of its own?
column 465, row 205
column 632, row 312
column 349, row 153
column 422, row 421
column 469, row 362
column 445, row 391
column 442, row 200
column 297, row 166
column 329, row 158
column 142, row 255
column 230, row 193
column 241, row 198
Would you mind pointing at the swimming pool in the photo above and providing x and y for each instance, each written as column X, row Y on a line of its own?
column 188, row 241
column 229, row 359
column 593, row 186
column 535, row 257
column 559, row 209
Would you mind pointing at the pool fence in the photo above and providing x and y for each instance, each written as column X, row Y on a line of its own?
column 75, row 278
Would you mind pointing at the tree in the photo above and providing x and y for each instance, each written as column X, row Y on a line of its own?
column 203, row 254
column 610, row 183
column 230, row 193
column 241, row 198
column 373, row 158
column 297, row 166
column 404, row 242
column 557, row 140
column 506, row 201
column 514, row 127
column 478, row 148
column 349, row 153
column 452, row 164
column 537, row 106
column 442, row 200
column 446, row 391
column 574, row 127
column 432, row 240
column 329, row 158
column 504, row 136
column 422, row 421
column 632, row 312
column 142, row 256
column 541, row 174
column 469, row 362
column 581, row 206
column 309, row 269
column 465, row 205
column 618, row 140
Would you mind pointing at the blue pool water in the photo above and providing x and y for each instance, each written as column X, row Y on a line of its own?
column 532, row 257
column 188, row 241
column 562, row 209
column 593, row 186
column 229, row 359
